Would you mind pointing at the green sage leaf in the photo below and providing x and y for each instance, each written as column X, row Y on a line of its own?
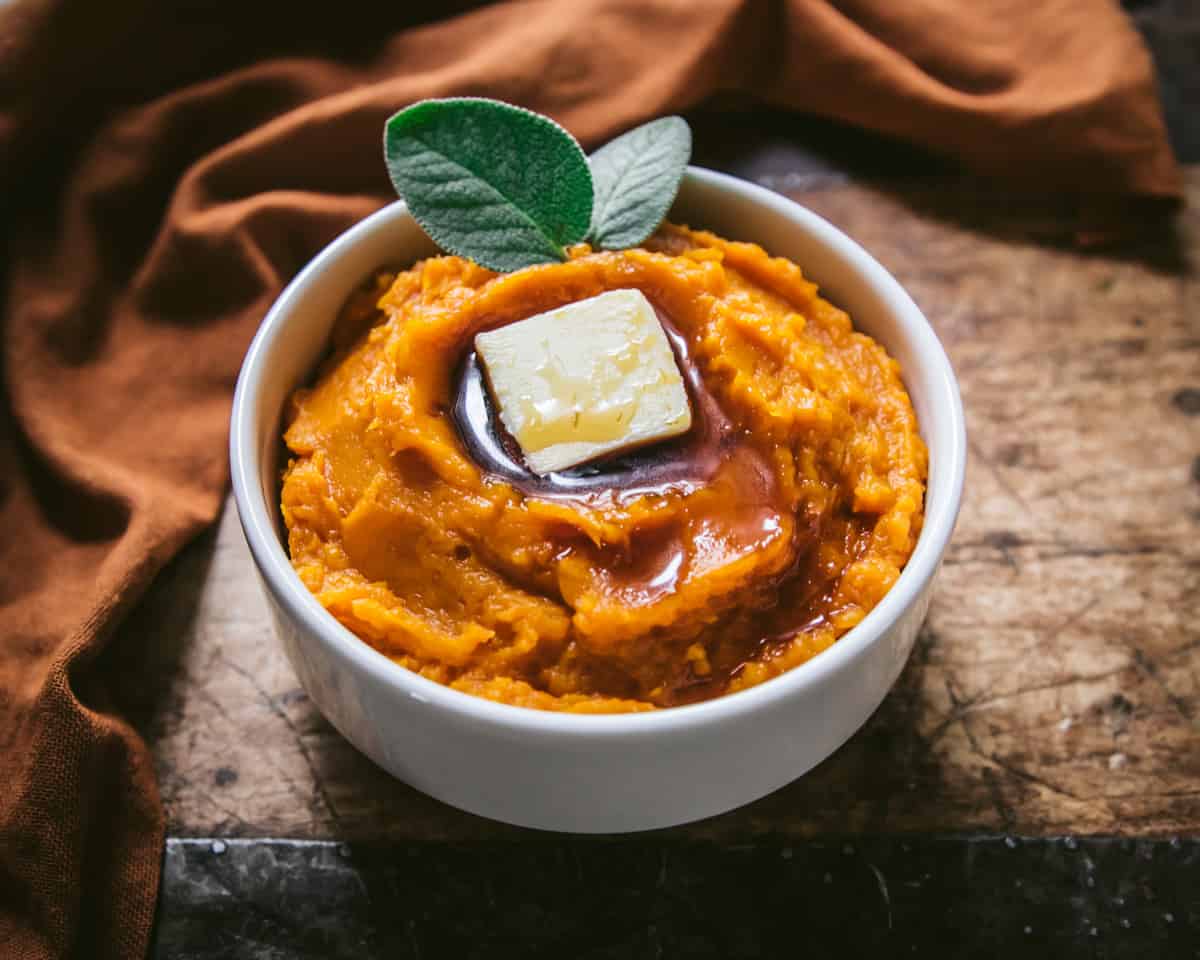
column 503, row 186
column 636, row 177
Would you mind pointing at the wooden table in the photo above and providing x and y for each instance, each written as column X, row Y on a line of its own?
column 1055, row 689
column 1056, row 685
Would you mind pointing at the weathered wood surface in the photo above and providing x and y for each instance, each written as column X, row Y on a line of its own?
column 1056, row 687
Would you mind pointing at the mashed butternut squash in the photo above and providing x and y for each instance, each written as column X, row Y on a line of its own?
column 773, row 531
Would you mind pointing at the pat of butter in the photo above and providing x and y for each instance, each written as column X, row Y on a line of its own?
column 589, row 379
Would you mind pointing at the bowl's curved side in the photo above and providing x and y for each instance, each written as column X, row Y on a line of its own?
column 558, row 779
column 596, row 773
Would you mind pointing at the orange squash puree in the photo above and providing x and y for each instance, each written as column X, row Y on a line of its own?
column 611, row 599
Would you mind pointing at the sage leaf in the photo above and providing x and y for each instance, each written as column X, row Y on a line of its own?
column 503, row 186
column 636, row 177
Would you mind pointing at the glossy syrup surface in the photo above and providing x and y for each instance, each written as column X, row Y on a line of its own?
column 678, row 465
column 716, row 454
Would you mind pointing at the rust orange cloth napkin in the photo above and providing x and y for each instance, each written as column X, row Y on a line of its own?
column 165, row 167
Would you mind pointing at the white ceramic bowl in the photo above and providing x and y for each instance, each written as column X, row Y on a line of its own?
column 597, row 773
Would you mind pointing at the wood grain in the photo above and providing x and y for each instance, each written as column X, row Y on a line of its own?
column 1056, row 686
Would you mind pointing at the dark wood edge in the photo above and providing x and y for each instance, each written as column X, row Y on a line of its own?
column 649, row 896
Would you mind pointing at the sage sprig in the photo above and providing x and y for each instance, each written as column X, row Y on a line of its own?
column 503, row 186
column 635, row 179
column 510, row 188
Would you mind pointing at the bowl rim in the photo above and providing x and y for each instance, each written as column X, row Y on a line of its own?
column 301, row 606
